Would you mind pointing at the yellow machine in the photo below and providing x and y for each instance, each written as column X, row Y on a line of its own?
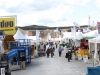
column 5, row 42
column 82, row 53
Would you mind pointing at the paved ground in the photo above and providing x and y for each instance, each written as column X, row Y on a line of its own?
column 54, row 66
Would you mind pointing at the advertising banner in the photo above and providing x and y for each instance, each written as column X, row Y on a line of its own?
column 98, row 25
column 8, row 24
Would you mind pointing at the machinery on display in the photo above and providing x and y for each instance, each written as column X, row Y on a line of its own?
column 41, row 49
column 84, row 49
column 17, row 48
column 14, row 48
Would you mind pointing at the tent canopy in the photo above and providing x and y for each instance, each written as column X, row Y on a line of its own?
column 19, row 35
column 93, row 33
column 79, row 35
column 95, row 40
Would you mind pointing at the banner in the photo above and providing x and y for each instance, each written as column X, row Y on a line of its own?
column 7, row 24
column 98, row 25
column 73, row 31
column 76, row 24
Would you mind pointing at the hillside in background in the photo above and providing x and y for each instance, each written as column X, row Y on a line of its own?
column 34, row 26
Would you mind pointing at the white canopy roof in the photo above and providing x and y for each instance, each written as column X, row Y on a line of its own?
column 79, row 35
column 19, row 35
column 95, row 40
column 93, row 33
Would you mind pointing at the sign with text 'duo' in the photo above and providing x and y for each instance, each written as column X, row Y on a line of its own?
column 8, row 24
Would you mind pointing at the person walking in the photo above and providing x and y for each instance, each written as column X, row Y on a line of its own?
column 23, row 59
column 69, row 56
column 48, row 52
column 52, row 52
column 60, row 51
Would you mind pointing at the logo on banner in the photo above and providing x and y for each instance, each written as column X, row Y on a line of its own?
column 7, row 24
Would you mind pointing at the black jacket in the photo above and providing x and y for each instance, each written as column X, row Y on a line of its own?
column 23, row 58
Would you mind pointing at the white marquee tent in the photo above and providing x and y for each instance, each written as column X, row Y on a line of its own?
column 19, row 35
column 93, row 33
column 94, row 45
column 77, row 38
column 79, row 35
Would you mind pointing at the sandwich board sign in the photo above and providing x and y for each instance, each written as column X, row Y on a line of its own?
column 79, row 57
column 85, row 58
column 2, row 71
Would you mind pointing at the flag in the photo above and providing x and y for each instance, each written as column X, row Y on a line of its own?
column 76, row 24
column 89, row 21
column 98, row 23
column 37, row 33
column 59, row 29
column 73, row 31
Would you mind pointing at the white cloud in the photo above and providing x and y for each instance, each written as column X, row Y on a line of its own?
column 79, row 2
column 4, row 12
column 85, row 21
column 98, row 2
column 42, row 12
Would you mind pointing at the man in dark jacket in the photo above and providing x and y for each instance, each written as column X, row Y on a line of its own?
column 48, row 52
column 23, row 59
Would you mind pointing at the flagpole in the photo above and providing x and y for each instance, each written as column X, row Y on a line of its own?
column 75, row 35
column 89, row 22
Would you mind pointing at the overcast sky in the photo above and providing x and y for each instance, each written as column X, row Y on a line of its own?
column 51, row 12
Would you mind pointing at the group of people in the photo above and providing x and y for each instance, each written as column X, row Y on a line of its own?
column 50, row 49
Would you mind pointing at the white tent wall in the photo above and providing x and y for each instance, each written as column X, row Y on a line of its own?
column 92, row 47
column 32, row 37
